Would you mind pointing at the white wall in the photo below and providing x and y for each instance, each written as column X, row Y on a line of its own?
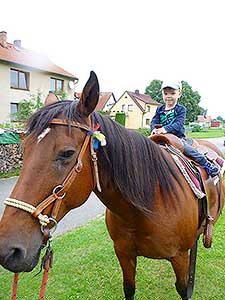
column 39, row 81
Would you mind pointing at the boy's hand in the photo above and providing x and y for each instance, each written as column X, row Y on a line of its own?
column 160, row 130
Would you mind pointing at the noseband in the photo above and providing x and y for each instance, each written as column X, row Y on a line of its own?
column 60, row 191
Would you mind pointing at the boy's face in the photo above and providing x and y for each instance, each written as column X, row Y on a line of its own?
column 171, row 96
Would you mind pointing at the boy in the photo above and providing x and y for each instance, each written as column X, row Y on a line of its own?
column 171, row 116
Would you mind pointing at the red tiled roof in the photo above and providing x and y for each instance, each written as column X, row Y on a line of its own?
column 201, row 118
column 103, row 98
column 142, row 97
column 28, row 58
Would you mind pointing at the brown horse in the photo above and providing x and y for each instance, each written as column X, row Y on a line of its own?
column 151, row 210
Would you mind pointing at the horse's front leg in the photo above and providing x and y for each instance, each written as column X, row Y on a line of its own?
column 128, row 265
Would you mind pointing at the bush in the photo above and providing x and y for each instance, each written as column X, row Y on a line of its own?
column 196, row 128
column 104, row 113
column 27, row 107
column 144, row 131
column 120, row 118
column 61, row 94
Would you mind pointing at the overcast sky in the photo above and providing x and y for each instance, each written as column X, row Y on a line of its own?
column 128, row 43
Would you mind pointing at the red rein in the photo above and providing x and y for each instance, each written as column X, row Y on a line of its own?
column 45, row 279
column 15, row 284
column 43, row 285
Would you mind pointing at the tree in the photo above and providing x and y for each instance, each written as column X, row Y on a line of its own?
column 154, row 90
column 190, row 99
column 220, row 119
column 61, row 94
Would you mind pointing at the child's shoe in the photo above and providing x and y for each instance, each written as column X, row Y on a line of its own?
column 211, row 169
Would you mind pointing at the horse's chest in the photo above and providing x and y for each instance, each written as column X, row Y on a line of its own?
column 155, row 247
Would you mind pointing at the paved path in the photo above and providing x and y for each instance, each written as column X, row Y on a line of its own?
column 219, row 142
column 79, row 216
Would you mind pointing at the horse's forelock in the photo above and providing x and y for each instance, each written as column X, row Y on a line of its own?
column 40, row 120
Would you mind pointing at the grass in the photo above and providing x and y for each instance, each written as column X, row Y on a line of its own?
column 210, row 133
column 15, row 172
column 85, row 267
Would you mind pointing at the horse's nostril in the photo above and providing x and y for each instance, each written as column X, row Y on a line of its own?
column 18, row 253
column 15, row 254
column 13, row 258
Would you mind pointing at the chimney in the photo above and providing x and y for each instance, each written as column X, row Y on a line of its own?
column 3, row 39
column 17, row 43
column 137, row 92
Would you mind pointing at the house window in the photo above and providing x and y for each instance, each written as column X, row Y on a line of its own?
column 130, row 107
column 123, row 107
column 19, row 79
column 14, row 107
column 148, row 108
column 56, row 84
column 147, row 122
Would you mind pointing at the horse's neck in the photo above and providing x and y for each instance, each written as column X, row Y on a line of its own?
column 115, row 202
column 110, row 196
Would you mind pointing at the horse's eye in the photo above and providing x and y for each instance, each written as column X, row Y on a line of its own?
column 64, row 155
column 68, row 153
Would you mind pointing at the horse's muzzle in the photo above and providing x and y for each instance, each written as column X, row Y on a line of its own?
column 14, row 259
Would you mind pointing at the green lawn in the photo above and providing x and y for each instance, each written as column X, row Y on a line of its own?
column 85, row 267
column 13, row 173
column 210, row 133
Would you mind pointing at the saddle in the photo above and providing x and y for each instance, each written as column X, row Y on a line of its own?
column 209, row 210
column 174, row 141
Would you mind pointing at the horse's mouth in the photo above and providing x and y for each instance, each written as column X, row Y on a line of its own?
column 18, row 266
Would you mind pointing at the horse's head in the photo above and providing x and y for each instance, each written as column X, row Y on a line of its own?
column 57, row 168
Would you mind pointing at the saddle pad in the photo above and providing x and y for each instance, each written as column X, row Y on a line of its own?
column 189, row 171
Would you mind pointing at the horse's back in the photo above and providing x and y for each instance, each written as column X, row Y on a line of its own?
column 207, row 145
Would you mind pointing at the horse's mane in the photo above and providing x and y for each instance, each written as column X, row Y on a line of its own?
column 136, row 165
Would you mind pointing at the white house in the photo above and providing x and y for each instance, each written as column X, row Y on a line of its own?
column 24, row 73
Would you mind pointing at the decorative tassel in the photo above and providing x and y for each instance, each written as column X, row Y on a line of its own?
column 98, row 137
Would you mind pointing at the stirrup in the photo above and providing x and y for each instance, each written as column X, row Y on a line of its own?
column 208, row 231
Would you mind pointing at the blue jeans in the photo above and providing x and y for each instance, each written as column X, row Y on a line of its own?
column 193, row 153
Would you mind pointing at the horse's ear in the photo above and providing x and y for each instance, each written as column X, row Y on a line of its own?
column 51, row 98
column 89, row 97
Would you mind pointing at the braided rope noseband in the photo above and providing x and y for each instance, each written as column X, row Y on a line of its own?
column 43, row 219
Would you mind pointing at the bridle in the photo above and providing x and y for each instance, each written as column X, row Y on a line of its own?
column 60, row 191
column 56, row 198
